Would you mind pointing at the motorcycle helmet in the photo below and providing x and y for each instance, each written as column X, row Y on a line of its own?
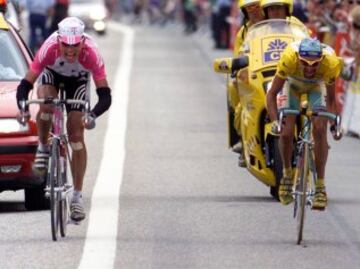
column 310, row 51
column 266, row 3
column 244, row 3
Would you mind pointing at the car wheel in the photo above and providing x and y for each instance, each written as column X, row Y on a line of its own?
column 35, row 198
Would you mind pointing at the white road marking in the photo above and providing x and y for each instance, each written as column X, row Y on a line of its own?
column 100, row 244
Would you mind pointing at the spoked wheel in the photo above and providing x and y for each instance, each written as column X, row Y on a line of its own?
column 55, row 196
column 64, row 203
column 301, row 196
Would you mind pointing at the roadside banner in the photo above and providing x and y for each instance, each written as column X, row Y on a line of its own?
column 351, row 112
column 341, row 48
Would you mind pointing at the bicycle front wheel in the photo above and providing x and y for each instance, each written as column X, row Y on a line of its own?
column 301, row 192
column 53, row 176
column 64, row 203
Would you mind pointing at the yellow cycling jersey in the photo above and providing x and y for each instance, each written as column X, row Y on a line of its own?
column 289, row 65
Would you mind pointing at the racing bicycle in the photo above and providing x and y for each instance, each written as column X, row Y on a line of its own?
column 305, row 176
column 58, row 183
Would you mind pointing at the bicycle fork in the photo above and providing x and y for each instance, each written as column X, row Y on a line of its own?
column 66, row 188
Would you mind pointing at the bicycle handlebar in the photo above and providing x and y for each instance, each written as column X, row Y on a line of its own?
column 309, row 113
column 55, row 102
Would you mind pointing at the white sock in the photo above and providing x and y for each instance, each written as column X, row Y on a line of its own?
column 77, row 196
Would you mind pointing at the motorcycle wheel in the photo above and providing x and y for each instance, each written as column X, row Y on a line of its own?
column 276, row 166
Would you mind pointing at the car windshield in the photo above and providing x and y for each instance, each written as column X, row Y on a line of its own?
column 277, row 26
column 12, row 63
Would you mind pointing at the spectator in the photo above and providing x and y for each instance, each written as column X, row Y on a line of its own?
column 60, row 12
column 300, row 11
column 222, row 29
column 190, row 18
column 39, row 11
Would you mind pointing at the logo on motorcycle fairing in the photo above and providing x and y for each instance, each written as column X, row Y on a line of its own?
column 274, row 50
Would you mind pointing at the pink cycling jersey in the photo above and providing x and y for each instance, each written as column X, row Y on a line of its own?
column 89, row 60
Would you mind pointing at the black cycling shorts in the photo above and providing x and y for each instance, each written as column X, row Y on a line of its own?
column 74, row 87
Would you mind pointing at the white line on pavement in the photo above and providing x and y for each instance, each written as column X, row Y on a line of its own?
column 100, row 244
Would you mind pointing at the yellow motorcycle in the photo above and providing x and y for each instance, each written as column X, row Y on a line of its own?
column 264, row 43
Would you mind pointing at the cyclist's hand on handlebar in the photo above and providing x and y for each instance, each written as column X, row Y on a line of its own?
column 23, row 117
column 337, row 135
column 275, row 127
column 89, row 121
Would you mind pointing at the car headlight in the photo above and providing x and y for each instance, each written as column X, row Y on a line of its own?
column 98, row 14
column 12, row 126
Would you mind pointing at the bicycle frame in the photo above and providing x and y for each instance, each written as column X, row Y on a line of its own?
column 304, row 187
column 57, row 186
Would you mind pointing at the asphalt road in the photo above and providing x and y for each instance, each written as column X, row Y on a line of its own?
column 183, row 201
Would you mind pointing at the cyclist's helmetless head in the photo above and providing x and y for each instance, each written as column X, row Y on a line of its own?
column 71, row 38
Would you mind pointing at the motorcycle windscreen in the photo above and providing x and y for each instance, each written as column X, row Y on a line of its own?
column 266, row 50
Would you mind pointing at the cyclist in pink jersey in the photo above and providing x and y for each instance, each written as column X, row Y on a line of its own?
column 67, row 58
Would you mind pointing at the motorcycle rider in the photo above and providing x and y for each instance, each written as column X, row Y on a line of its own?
column 252, row 14
column 310, row 65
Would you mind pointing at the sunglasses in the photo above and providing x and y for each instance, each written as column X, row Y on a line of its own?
column 307, row 62
column 70, row 46
column 351, row 2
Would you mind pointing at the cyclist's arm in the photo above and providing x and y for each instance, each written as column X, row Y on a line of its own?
column 104, row 93
column 25, row 86
column 330, row 98
column 31, row 76
column 276, row 86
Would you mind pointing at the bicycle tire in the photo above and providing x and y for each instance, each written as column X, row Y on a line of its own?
column 54, row 195
column 64, row 203
column 302, row 189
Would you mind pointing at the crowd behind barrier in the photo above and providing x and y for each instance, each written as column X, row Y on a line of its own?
column 334, row 22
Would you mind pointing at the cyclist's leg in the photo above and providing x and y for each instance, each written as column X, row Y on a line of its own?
column 287, row 99
column 75, row 129
column 47, row 88
column 76, row 139
column 317, row 101
column 78, row 163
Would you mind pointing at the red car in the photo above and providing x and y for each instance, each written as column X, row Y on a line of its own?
column 17, row 143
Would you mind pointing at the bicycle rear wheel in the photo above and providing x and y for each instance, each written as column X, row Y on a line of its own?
column 53, row 175
column 301, row 193
column 64, row 203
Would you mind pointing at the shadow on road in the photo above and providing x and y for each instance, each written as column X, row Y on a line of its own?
column 199, row 199
column 12, row 206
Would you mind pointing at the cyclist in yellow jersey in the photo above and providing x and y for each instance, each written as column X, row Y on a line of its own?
column 312, row 67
